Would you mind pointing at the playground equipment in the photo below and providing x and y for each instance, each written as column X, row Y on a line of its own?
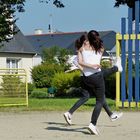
column 128, row 46
column 13, row 87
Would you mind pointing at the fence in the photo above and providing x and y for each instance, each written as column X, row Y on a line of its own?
column 127, row 83
column 13, row 87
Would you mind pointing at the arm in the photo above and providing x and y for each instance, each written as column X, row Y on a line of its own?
column 75, row 62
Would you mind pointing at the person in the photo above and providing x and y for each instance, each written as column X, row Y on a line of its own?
column 89, row 57
column 86, row 91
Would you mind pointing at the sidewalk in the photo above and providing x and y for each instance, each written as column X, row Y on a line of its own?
column 52, row 126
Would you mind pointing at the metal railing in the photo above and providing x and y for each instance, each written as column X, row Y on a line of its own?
column 13, row 87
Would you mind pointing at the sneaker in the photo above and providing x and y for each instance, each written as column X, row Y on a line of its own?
column 93, row 130
column 67, row 117
column 119, row 64
column 116, row 116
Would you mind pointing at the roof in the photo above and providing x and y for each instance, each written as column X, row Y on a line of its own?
column 109, row 39
column 64, row 40
column 67, row 40
column 18, row 44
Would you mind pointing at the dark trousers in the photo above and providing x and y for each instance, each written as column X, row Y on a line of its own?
column 87, row 90
column 97, row 81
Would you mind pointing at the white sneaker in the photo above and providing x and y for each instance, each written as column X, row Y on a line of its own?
column 93, row 130
column 119, row 64
column 68, row 117
column 115, row 116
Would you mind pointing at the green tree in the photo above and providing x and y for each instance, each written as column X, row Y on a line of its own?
column 8, row 18
column 56, row 55
column 129, row 3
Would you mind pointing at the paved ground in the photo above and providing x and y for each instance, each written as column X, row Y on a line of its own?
column 52, row 126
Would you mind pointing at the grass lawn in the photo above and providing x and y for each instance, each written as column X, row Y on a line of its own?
column 55, row 104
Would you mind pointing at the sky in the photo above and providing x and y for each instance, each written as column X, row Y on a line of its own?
column 77, row 16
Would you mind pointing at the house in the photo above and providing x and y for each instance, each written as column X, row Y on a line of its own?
column 18, row 53
column 67, row 40
column 25, row 51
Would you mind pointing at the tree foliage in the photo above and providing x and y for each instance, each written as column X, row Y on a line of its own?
column 8, row 18
column 57, row 3
column 56, row 55
column 129, row 3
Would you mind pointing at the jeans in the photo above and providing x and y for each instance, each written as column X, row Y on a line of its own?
column 85, row 96
column 86, row 90
column 97, row 80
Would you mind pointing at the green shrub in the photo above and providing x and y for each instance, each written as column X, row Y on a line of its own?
column 39, row 93
column 31, row 87
column 110, row 86
column 64, row 81
column 42, row 74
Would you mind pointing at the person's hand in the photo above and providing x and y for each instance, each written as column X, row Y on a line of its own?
column 96, row 66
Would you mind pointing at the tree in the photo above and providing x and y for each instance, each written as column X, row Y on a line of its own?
column 57, row 55
column 8, row 18
column 57, row 3
column 130, row 3
column 7, row 10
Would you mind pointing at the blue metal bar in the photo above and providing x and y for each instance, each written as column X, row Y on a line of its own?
column 137, row 14
column 129, row 55
column 123, row 57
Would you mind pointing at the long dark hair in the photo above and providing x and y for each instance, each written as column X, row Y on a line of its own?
column 95, row 41
column 79, row 42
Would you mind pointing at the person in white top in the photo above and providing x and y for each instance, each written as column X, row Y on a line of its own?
column 89, row 57
column 86, row 91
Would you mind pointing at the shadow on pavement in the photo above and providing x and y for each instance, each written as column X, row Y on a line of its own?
column 65, row 127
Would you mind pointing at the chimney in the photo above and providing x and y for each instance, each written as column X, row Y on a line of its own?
column 38, row 31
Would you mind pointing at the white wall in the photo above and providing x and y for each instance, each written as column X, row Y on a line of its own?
column 37, row 60
column 26, row 62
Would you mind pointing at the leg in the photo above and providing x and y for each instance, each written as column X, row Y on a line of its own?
column 98, row 81
column 80, row 102
column 83, row 99
column 107, row 109
column 108, row 71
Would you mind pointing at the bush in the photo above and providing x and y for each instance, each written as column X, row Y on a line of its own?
column 74, row 92
column 64, row 81
column 110, row 82
column 31, row 87
column 39, row 93
column 110, row 86
column 42, row 74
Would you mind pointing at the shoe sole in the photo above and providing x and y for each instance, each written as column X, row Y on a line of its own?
column 66, row 120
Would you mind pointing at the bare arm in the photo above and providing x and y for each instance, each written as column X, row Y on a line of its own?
column 75, row 62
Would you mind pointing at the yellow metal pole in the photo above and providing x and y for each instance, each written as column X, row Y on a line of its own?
column 9, row 101
column 27, row 101
column 118, row 36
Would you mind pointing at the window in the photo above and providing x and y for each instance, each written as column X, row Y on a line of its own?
column 12, row 63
